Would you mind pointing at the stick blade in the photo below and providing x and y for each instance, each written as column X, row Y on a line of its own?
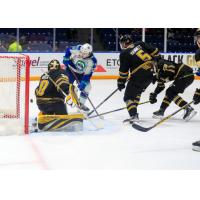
column 140, row 128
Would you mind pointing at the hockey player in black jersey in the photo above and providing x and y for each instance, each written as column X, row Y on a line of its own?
column 51, row 94
column 136, row 66
column 182, row 76
column 196, row 97
column 50, row 99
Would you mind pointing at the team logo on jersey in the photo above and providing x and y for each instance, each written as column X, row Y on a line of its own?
column 80, row 65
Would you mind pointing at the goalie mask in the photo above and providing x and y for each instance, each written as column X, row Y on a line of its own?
column 85, row 50
column 125, row 41
column 54, row 65
column 197, row 37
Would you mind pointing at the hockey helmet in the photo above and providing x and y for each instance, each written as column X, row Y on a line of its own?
column 86, row 50
column 125, row 41
column 54, row 65
column 197, row 36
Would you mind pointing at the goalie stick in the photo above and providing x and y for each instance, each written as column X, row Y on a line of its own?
column 144, row 129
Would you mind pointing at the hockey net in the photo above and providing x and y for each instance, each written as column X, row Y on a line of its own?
column 14, row 94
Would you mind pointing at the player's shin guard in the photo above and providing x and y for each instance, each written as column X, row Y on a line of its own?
column 165, row 103
column 179, row 101
column 160, row 113
column 83, row 97
column 132, row 110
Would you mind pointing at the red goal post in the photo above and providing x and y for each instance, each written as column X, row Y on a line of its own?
column 14, row 90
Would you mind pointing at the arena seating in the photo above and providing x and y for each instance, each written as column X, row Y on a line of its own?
column 41, row 39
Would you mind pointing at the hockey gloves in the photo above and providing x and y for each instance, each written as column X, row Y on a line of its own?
column 198, row 72
column 82, row 85
column 196, row 97
column 121, row 84
column 152, row 98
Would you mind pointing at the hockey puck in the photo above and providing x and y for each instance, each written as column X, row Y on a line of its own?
column 31, row 100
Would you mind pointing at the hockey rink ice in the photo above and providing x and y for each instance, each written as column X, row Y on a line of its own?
column 116, row 146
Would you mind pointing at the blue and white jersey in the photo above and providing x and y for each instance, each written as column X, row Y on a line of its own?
column 83, row 66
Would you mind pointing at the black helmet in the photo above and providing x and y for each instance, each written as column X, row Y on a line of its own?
column 125, row 41
column 197, row 32
column 54, row 65
column 197, row 35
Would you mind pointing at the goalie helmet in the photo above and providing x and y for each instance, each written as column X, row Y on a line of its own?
column 125, row 41
column 86, row 50
column 54, row 65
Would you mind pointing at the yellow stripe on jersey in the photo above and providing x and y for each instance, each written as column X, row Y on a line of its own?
column 155, row 52
column 179, row 70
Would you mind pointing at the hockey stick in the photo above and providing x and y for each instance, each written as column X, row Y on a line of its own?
column 105, row 113
column 86, row 117
column 103, row 101
column 187, row 75
column 143, row 129
column 84, row 92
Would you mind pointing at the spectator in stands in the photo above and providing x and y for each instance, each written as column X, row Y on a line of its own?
column 2, row 48
column 14, row 46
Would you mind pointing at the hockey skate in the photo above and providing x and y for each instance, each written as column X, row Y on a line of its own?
column 196, row 146
column 84, row 108
column 134, row 118
column 158, row 114
column 189, row 113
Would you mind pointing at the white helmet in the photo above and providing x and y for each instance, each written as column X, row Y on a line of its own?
column 86, row 50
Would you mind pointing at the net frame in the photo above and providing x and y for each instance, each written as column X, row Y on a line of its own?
column 18, row 79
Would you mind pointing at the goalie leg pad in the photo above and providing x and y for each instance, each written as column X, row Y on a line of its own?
column 71, row 122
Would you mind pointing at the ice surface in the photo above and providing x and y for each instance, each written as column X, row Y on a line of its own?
column 117, row 146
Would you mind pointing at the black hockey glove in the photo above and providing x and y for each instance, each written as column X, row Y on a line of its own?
column 121, row 84
column 152, row 98
column 196, row 97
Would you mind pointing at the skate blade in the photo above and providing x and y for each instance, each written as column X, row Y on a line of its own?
column 128, row 122
column 190, row 116
column 196, row 148
column 157, row 117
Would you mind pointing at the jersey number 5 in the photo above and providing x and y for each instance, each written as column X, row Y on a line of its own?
column 143, row 56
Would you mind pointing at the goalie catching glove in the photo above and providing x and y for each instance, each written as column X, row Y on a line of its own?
column 72, row 98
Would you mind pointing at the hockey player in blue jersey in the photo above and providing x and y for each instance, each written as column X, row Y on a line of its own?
column 80, row 64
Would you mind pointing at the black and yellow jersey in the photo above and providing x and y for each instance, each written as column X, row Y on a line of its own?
column 137, row 59
column 48, row 90
column 197, row 57
column 170, row 71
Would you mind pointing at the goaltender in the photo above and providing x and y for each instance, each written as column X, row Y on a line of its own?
column 52, row 94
